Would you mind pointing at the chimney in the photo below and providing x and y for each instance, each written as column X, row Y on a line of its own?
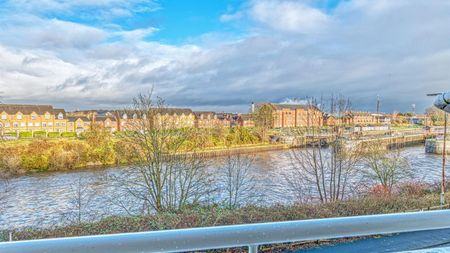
column 253, row 107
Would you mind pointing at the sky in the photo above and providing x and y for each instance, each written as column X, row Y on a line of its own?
column 222, row 55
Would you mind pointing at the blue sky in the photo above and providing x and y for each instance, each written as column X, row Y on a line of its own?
column 222, row 55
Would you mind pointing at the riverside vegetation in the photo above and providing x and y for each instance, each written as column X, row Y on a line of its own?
column 99, row 147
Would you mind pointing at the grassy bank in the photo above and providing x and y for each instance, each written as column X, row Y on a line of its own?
column 103, row 149
column 215, row 216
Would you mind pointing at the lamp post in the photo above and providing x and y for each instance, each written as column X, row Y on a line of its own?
column 444, row 153
column 442, row 102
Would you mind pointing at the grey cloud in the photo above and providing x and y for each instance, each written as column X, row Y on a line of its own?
column 396, row 50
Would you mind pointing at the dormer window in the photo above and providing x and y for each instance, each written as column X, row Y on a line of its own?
column 135, row 116
column 125, row 116
column 60, row 115
column 47, row 116
column 4, row 116
column 33, row 116
column 19, row 116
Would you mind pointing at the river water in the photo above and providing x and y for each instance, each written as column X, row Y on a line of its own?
column 46, row 199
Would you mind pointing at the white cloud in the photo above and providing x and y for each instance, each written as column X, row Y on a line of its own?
column 365, row 50
column 228, row 17
column 34, row 32
column 289, row 16
column 137, row 34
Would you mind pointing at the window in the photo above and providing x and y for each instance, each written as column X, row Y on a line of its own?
column 36, row 124
column 4, row 116
column 19, row 116
column 50, row 124
column 33, row 116
column 125, row 116
column 30, row 124
column 47, row 116
column 44, row 124
column 7, row 125
column 16, row 124
column 60, row 116
column 22, row 124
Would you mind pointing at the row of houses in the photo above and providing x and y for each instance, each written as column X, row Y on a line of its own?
column 19, row 118
column 31, row 118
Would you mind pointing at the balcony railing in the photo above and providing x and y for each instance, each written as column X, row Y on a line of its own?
column 248, row 235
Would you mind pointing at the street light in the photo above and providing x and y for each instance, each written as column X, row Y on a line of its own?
column 442, row 101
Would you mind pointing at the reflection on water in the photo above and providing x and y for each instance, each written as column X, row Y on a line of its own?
column 44, row 199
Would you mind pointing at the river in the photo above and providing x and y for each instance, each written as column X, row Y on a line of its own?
column 45, row 199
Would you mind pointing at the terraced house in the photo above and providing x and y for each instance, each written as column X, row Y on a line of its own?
column 16, row 118
column 164, row 118
column 207, row 120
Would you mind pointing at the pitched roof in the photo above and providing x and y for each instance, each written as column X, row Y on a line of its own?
column 287, row 106
column 246, row 116
column 26, row 109
column 74, row 118
column 178, row 111
column 103, row 118
column 198, row 114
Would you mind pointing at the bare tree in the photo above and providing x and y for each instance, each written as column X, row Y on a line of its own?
column 166, row 175
column 385, row 167
column 325, row 171
column 5, row 188
column 81, row 197
column 238, row 182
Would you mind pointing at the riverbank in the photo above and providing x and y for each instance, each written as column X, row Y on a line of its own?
column 407, row 200
column 42, row 155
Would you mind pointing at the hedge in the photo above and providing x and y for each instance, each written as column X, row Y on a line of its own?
column 54, row 134
column 68, row 134
column 40, row 134
column 25, row 135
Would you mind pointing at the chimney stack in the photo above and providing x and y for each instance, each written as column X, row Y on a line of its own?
column 253, row 107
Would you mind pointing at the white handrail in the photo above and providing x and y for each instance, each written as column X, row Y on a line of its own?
column 248, row 235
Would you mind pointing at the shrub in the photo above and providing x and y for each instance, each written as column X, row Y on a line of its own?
column 40, row 134
column 68, row 134
column 25, row 135
column 54, row 134
column 11, row 134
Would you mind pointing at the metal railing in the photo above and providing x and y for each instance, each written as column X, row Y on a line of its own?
column 248, row 235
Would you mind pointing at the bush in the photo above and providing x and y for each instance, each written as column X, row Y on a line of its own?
column 10, row 134
column 54, row 134
column 68, row 134
column 25, row 135
column 40, row 134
